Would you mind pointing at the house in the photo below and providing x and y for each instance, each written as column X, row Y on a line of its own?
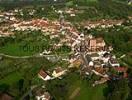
column 41, row 94
column 94, row 56
column 103, row 64
column 122, row 70
column 100, row 43
column 100, row 70
column 96, row 43
column 129, row 2
column 91, row 64
column 43, row 75
column 113, row 62
column 110, row 48
column 72, row 15
column 106, row 57
column 4, row 96
column 85, row 70
column 58, row 72
column 97, row 64
column 88, row 59
column 92, row 44
column 77, row 63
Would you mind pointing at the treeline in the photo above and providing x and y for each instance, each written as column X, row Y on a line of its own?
column 11, row 4
column 121, row 41
column 119, row 37
column 107, row 9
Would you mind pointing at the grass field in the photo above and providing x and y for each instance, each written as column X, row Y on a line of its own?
column 11, row 78
column 75, row 88
column 90, row 93
column 13, row 49
column 87, row 92
column 16, row 49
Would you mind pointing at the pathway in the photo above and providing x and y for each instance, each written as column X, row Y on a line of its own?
column 75, row 93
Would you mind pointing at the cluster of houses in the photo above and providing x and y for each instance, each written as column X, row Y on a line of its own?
column 90, row 55
column 58, row 72
column 41, row 94
column 7, row 17
column 101, row 23
column 94, row 57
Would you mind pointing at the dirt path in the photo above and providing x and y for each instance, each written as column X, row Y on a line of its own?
column 75, row 93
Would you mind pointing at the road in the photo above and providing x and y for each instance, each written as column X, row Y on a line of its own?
column 25, row 57
column 85, row 61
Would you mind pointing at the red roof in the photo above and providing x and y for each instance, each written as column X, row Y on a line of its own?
column 5, row 97
column 121, row 69
column 125, row 75
column 42, row 73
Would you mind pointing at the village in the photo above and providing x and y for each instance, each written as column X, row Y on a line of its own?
column 89, row 55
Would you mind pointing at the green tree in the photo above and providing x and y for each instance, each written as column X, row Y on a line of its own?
column 4, row 88
column 118, row 90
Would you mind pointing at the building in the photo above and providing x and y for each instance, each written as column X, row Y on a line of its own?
column 41, row 94
column 94, row 56
column 4, row 96
column 106, row 56
column 97, row 64
column 58, row 72
column 43, row 75
column 85, row 70
column 92, row 44
column 91, row 64
column 100, row 43
column 96, row 44
column 76, row 63
column 122, row 70
column 113, row 62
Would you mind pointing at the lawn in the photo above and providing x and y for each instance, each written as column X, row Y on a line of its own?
column 72, row 87
column 15, row 50
column 87, row 92
column 11, row 78
column 25, row 43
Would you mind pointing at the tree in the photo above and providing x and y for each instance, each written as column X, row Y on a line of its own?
column 4, row 88
column 118, row 90
column 20, row 84
column 130, row 83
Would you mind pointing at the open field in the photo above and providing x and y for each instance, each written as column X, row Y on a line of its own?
column 75, row 88
column 11, row 78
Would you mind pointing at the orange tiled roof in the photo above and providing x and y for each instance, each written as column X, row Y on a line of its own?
column 121, row 69
column 42, row 73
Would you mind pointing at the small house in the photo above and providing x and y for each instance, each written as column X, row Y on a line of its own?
column 58, row 72
column 43, row 75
